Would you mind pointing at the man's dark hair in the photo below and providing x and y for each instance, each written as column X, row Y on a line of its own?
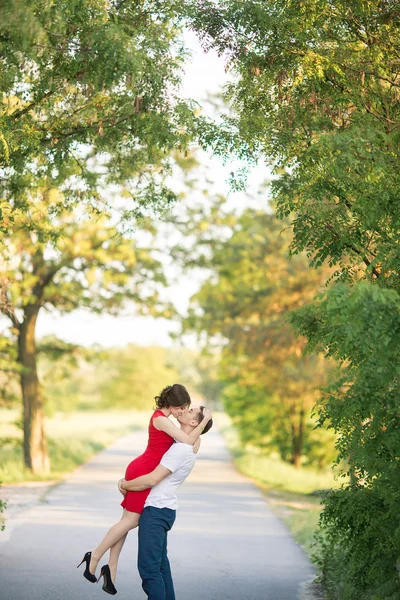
column 200, row 416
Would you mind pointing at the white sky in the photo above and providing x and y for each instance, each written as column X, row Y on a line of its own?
column 204, row 75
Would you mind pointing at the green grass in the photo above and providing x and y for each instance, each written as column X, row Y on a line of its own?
column 72, row 440
column 300, row 513
column 303, row 524
column 272, row 472
column 292, row 493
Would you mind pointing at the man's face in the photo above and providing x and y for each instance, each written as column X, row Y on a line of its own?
column 187, row 417
column 177, row 411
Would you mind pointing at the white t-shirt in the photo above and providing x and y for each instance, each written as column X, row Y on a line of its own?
column 179, row 459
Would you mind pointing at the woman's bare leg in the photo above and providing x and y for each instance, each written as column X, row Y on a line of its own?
column 115, row 551
column 114, row 535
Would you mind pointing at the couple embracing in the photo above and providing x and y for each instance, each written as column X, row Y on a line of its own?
column 149, row 488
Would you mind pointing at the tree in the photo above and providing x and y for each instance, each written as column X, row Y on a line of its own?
column 270, row 387
column 89, row 96
column 89, row 265
column 317, row 93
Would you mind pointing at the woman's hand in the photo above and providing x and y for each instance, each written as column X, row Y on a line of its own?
column 207, row 415
column 120, row 482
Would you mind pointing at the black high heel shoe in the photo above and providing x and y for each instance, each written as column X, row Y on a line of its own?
column 108, row 585
column 89, row 576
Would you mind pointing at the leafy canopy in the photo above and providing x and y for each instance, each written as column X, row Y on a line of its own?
column 316, row 93
column 89, row 96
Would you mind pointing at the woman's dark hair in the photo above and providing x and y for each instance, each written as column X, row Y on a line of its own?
column 173, row 395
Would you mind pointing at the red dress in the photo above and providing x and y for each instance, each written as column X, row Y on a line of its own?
column 158, row 444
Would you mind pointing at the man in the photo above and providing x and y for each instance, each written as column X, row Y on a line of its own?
column 159, row 511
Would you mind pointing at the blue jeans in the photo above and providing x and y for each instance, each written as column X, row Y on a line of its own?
column 153, row 563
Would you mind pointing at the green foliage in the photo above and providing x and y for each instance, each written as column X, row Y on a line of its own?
column 60, row 364
column 271, row 472
column 131, row 377
column 73, row 439
column 199, row 371
column 269, row 386
column 66, row 372
column 86, row 262
column 77, row 378
column 89, row 264
column 135, row 376
column 317, row 92
column 360, row 327
column 90, row 98
column 9, row 370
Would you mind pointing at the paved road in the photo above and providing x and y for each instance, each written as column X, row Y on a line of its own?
column 226, row 544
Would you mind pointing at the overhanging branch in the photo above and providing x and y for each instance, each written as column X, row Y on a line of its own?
column 6, row 306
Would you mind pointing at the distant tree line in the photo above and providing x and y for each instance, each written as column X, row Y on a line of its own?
column 269, row 384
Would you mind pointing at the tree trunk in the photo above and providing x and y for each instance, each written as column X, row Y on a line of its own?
column 298, row 440
column 35, row 445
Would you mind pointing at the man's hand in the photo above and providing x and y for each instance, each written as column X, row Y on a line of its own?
column 196, row 446
column 120, row 482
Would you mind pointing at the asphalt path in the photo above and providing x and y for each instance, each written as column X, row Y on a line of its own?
column 226, row 543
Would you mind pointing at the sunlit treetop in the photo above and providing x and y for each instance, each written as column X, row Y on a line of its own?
column 89, row 94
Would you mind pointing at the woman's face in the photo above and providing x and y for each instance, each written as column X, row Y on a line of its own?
column 177, row 411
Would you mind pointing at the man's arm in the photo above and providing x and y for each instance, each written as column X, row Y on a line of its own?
column 145, row 481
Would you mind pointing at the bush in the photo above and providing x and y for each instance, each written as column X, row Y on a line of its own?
column 360, row 523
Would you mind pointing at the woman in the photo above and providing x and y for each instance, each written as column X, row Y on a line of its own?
column 173, row 400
